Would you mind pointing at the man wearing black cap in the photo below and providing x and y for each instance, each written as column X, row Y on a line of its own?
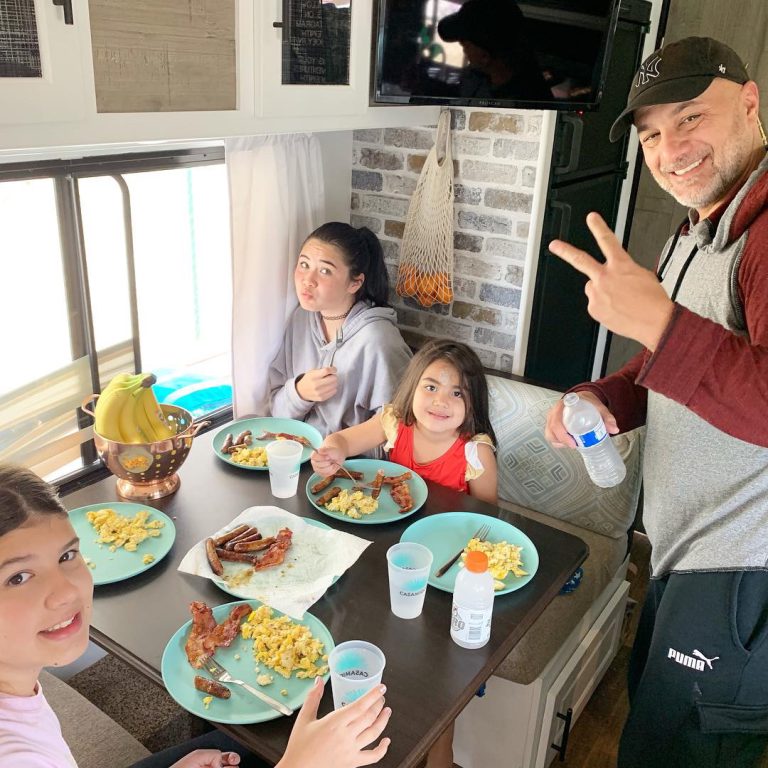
column 699, row 672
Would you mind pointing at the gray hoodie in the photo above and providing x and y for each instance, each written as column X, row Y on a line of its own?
column 370, row 363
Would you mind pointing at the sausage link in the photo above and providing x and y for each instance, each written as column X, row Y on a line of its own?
column 328, row 495
column 254, row 546
column 213, row 559
column 321, row 485
column 230, row 545
column 349, row 473
column 249, row 531
column 220, row 541
column 227, row 444
column 214, row 687
column 235, row 557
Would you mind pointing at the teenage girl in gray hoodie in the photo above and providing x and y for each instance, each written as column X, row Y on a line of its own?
column 342, row 355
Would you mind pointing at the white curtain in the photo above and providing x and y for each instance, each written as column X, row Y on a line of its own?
column 277, row 197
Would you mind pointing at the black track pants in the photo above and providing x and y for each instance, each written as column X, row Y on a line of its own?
column 698, row 679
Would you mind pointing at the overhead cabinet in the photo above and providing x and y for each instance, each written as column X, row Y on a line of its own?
column 170, row 70
column 164, row 55
column 41, row 60
column 315, row 57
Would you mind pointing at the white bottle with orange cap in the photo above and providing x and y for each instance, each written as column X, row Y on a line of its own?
column 472, row 602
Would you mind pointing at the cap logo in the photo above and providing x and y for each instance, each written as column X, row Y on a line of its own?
column 721, row 69
column 648, row 71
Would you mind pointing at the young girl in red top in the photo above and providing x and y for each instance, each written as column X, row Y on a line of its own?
column 437, row 424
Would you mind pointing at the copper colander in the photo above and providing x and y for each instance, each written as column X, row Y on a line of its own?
column 148, row 470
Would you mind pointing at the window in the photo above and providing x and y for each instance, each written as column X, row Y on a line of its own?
column 116, row 264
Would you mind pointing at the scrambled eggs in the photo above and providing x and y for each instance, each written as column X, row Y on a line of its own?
column 252, row 457
column 122, row 531
column 353, row 504
column 502, row 558
column 283, row 645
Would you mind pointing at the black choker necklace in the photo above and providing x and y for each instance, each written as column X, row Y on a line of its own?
column 336, row 317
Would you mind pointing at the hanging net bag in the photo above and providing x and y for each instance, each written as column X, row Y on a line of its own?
column 426, row 254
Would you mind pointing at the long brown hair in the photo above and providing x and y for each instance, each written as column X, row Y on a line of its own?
column 22, row 495
column 473, row 385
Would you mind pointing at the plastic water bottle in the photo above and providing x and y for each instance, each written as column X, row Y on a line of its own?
column 472, row 603
column 586, row 427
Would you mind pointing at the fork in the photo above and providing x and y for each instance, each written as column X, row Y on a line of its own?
column 217, row 671
column 481, row 533
column 356, row 483
column 339, row 342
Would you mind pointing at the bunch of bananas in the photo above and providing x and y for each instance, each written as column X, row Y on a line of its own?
column 127, row 411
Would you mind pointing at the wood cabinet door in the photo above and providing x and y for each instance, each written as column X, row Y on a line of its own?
column 164, row 55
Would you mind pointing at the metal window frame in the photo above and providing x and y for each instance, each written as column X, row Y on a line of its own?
column 65, row 175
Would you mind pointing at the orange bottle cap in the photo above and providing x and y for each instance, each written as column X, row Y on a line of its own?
column 477, row 562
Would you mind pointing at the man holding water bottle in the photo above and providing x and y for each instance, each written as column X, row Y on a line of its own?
column 699, row 671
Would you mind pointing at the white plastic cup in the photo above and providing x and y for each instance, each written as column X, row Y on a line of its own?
column 284, row 462
column 356, row 666
column 408, row 564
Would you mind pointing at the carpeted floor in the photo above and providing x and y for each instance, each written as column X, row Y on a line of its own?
column 141, row 707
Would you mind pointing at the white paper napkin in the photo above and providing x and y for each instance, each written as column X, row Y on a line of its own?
column 316, row 556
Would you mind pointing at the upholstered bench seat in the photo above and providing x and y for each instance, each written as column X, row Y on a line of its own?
column 96, row 741
column 565, row 612
column 551, row 485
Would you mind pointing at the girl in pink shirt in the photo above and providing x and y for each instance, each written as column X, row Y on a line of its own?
column 46, row 597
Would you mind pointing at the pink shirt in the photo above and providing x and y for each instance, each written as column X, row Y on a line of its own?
column 30, row 734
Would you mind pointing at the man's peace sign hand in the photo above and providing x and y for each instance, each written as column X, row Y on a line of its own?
column 625, row 297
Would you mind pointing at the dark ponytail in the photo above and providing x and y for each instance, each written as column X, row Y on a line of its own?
column 363, row 255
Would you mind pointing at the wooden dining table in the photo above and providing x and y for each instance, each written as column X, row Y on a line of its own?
column 429, row 678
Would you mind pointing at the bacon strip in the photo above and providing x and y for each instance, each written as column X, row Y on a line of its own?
column 276, row 552
column 376, row 484
column 203, row 624
column 402, row 496
column 397, row 479
column 284, row 436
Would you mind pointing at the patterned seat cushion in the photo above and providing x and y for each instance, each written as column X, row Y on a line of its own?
column 554, row 481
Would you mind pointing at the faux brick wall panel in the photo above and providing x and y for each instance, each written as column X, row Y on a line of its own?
column 494, row 163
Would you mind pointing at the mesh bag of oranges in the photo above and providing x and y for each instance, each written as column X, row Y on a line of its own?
column 426, row 255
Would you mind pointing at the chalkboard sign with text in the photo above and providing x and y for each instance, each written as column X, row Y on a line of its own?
column 316, row 35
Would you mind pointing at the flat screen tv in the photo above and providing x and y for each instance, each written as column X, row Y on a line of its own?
column 539, row 54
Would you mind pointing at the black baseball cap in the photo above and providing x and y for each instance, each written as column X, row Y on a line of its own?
column 491, row 24
column 676, row 72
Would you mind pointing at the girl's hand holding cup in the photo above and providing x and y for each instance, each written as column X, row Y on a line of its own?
column 339, row 739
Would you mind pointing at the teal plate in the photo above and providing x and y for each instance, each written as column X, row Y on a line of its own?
column 224, row 587
column 242, row 707
column 387, row 511
column 266, row 424
column 445, row 534
column 109, row 567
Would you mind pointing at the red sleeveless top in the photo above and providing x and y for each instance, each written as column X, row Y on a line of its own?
column 449, row 470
